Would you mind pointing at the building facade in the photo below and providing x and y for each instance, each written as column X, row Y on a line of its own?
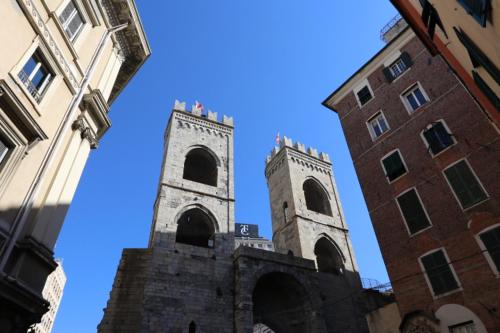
column 53, row 293
column 191, row 279
column 466, row 34
column 248, row 235
column 63, row 63
column 426, row 156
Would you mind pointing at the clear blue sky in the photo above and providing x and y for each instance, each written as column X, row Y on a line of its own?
column 267, row 63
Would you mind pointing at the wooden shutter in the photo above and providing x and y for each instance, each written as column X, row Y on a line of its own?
column 490, row 94
column 464, row 184
column 388, row 74
column 405, row 57
column 439, row 273
column 491, row 240
column 477, row 56
column 394, row 166
column 478, row 9
column 413, row 212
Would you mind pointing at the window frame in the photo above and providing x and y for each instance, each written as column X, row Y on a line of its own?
column 81, row 10
column 426, row 143
column 486, row 253
column 424, row 272
column 373, row 135
column 410, row 90
column 475, row 176
column 481, row 19
column 37, row 45
column 423, row 208
column 358, row 88
column 402, row 161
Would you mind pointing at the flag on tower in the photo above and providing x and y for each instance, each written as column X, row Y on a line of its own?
column 198, row 105
column 278, row 139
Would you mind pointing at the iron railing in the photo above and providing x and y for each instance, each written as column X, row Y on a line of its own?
column 376, row 285
column 30, row 86
column 392, row 23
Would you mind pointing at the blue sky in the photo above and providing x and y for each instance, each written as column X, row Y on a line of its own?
column 267, row 63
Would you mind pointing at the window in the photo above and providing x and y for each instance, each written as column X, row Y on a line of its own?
column 464, row 184
column 437, row 137
column 316, row 197
column 364, row 95
column 398, row 67
column 377, row 125
column 192, row 327
column 439, row 272
column 491, row 242
column 479, row 9
column 431, row 18
column 414, row 98
column 200, row 166
column 195, row 228
column 467, row 327
column 4, row 149
column 71, row 20
column 328, row 257
column 393, row 166
column 413, row 211
column 36, row 75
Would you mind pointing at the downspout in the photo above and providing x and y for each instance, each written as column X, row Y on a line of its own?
column 28, row 202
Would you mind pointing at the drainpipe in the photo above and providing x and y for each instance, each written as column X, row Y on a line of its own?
column 28, row 202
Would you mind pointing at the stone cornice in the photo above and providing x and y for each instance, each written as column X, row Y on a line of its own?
column 98, row 109
column 189, row 121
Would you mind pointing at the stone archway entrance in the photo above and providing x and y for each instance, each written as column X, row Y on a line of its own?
column 281, row 303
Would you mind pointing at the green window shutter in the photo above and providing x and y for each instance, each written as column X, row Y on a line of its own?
column 465, row 184
column 439, row 273
column 477, row 56
column 490, row 94
column 393, row 166
column 388, row 74
column 406, row 59
column 491, row 240
column 413, row 212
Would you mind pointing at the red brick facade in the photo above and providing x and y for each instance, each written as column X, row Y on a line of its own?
column 453, row 228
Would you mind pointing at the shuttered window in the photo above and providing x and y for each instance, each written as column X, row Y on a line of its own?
column 4, row 149
column 413, row 212
column 431, row 18
column 398, row 67
column 393, row 166
column 479, row 9
column 464, row 184
column 71, row 20
column 491, row 241
column 364, row 95
column 437, row 138
column 439, row 273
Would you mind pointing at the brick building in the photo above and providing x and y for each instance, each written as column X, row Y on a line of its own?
column 427, row 159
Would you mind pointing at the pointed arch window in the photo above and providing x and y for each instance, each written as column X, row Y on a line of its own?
column 195, row 228
column 200, row 166
column 316, row 197
column 328, row 257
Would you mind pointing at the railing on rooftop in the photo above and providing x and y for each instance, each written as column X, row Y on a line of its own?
column 392, row 23
column 376, row 285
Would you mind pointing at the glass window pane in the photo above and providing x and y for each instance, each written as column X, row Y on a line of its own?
column 420, row 97
column 3, row 151
column 413, row 102
column 383, row 125
column 491, row 240
column 74, row 25
column 66, row 13
column 30, row 65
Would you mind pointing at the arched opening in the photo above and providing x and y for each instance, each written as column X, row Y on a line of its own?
column 195, row 228
column 192, row 327
column 261, row 328
column 281, row 303
column 316, row 197
column 200, row 166
column 328, row 257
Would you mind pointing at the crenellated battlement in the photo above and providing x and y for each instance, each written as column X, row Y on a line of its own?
column 288, row 142
column 197, row 110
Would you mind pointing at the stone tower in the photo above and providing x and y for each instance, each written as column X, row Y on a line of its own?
column 306, row 214
column 183, row 281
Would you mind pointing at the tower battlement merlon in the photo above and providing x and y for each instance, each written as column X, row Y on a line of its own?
column 197, row 111
column 299, row 147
